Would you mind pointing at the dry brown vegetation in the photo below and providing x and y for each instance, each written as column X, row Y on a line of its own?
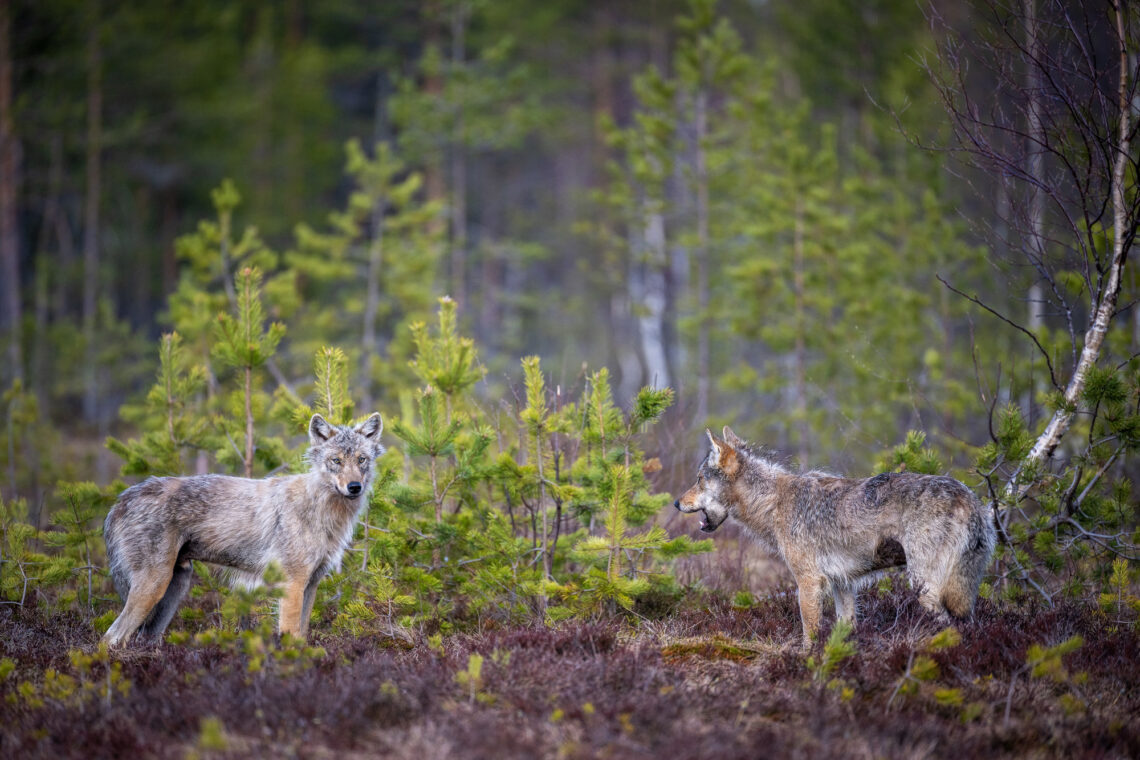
column 710, row 680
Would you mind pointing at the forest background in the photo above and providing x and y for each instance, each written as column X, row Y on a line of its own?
column 552, row 243
column 752, row 204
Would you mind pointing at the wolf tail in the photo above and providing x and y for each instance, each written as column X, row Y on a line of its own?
column 961, row 586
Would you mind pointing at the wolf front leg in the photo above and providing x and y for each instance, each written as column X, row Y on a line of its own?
column 289, row 612
column 810, row 589
column 309, row 596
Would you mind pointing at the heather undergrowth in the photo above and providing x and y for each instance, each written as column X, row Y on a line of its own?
column 713, row 679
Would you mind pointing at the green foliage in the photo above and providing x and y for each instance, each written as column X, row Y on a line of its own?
column 743, row 599
column 947, row 638
column 94, row 676
column 20, row 563
column 259, row 602
column 212, row 735
column 444, row 359
column 29, row 446
column 241, row 340
column 77, row 527
column 838, row 648
column 170, row 412
column 471, row 679
column 360, row 282
column 331, row 366
column 1118, row 598
column 68, row 567
column 913, row 456
column 381, row 590
column 648, row 406
column 922, row 671
column 1046, row 662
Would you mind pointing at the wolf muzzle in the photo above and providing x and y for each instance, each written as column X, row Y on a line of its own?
column 707, row 524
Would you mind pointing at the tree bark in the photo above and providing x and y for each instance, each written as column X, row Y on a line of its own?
column 650, row 296
column 372, row 300
column 702, row 211
column 622, row 334
column 91, row 209
column 249, row 421
column 435, row 184
column 261, row 65
column 9, row 221
column 45, row 268
column 800, row 352
column 458, row 169
column 1036, row 164
column 1036, row 171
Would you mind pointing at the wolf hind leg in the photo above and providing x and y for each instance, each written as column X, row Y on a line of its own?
column 844, row 596
column 930, row 561
column 147, row 590
column 163, row 612
column 928, row 579
column 958, row 596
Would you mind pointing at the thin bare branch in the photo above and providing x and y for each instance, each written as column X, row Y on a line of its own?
column 1011, row 323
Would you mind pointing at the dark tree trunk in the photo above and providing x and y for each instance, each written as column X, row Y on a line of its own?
column 9, row 179
column 91, row 209
column 459, row 170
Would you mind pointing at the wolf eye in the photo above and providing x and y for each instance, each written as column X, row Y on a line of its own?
column 360, row 460
column 336, row 460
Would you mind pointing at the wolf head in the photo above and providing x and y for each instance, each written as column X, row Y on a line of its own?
column 344, row 455
column 710, row 495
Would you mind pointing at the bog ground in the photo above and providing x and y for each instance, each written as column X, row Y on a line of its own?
column 709, row 680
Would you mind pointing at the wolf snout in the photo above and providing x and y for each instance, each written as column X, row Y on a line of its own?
column 354, row 488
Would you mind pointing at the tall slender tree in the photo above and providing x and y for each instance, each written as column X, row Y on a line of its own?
column 91, row 206
column 11, row 312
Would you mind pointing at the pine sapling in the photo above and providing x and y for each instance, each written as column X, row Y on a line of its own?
column 243, row 342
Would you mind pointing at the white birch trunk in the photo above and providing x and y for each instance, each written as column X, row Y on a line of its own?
column 651, row 319
column 1105, row 306
column 1036, row 166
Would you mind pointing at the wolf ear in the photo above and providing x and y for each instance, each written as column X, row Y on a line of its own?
column 723, row 455
column 718, row 448
column 319, row 430
column 372, row 426
column 731, row 438
column 712, row 440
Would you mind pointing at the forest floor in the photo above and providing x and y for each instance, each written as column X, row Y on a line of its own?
column 705, row 680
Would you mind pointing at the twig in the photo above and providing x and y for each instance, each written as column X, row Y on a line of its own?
column 1011, row 323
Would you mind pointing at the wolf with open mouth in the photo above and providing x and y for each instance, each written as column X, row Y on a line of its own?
column 839, row 535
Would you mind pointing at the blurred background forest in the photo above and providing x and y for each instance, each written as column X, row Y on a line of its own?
column 743, row 222
column 735, row 201
column 552, row 242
